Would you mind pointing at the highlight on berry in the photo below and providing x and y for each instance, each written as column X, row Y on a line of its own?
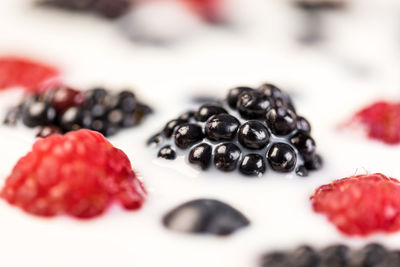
column 252, row 130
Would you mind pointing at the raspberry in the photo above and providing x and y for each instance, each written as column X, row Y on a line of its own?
column 209, row 10
column 79, row 174
column 381, row 120
column 24, row 72
column 360, row 205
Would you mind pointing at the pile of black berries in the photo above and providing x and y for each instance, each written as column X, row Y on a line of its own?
column 107, row 8
column 62, row 109
column 372, row 255
column 251, row 130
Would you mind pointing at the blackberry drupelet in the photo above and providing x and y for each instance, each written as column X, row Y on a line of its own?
column 67, row 109
column 371, row 255
column 252, row 131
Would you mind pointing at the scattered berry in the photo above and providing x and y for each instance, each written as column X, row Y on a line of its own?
column 360, row 205
column 381, row 121
column 68, row 109
column 205, row 216
column 167, row 152
column 79, row 174
column 249, row 130
column 24, row 73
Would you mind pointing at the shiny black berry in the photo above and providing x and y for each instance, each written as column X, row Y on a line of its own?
column 171, row 125
column 221, row 127
column 303, row 124
column 313, row 163
column 253, row 135
column 335, row 256
column 304, row 256
column 208, row 110
column 279, row 97
column 187, row 135
column 252, row 165
column 302, row 171
column 304, row 144
column 205, row 216
column 127, row 101
column 75, row 118
column 226, row 156
column 253, row 104
column 167, row 152
column 201, row 155
column 234, row 93
column 281, row 121
column 155, row 140
column 38, row 113
column 282, row 157
column 48, row 130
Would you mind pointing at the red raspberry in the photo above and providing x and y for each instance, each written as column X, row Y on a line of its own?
column 382, row 121
column 24, row 72
column 209, row 10
column 361, row 205
column 79, row 174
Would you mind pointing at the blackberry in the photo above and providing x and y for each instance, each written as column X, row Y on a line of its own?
column 205, row 216
column 201, row 155
column 48, row 130
column 252, row 130
column 68, row 109
column 252, row 165
column 372, row 255
column 167, row 152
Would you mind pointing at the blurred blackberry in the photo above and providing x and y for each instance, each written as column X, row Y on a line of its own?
column 371, row 255
column 106, row 8
column 63, row 109
column 252, row 131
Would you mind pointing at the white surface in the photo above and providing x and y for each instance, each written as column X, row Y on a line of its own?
column 360, row 62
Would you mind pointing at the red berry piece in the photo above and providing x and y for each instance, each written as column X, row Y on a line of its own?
column 381, row 121
column 360, row 205
column 63, row 97
column 79, row 174
column 25, row 73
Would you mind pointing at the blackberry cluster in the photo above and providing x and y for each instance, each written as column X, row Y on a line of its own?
column 372, row 255
column 107, row 8
column 250, row 130
column 62, row 109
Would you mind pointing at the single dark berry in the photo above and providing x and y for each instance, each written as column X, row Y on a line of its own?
column 95, row 96
column 221, row 127
column 127, row 101
column 167, row 152
column 205, row 216
column 334, row 256
column 282, row 157
column 12, row 116
column 155, row 140
column 171, row 125
column 253, row 104
column 187, row 115
column 99, row 125
column 280, row 98
column 253, row 135
column 302, row 171
column 234, row 93
column 370, row 256
column 281, row 121
column 313, row 163
column 115, row 117
column 304, row 144
column 38, row 113
column 48, row 130
column 304, row 256
column 201, row 155
column 226, row 157
column 63, row 98
column 303, row 125
column 252, row 165
column 208, row 110
column 275, row 259
column 187, row 135
column 99, row 110
column 75, row 118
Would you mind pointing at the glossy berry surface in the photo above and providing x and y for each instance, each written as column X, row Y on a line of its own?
column 167, row 152
column 205, row 216
column 79, row 174
column 251, row 131
column 350, row 203
column 338, row 255
column 69, row 109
